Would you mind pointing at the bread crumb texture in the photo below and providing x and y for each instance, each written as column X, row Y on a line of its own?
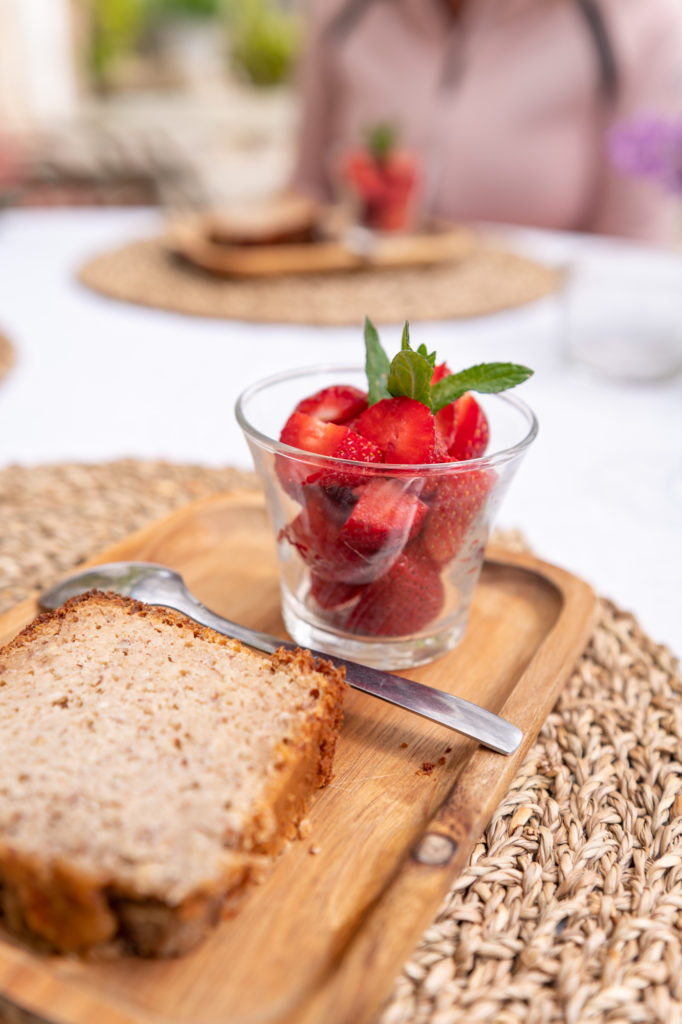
column 148, row 767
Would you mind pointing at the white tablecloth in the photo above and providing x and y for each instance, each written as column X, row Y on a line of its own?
column 600, row 492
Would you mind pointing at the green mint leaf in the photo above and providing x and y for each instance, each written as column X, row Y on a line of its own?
column 405, row 340
column 381, row 139
column 377, row 365
column 486, row 378
column 431, row 356
column 410, row 377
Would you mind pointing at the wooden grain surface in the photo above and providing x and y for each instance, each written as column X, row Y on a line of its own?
column 322, row 939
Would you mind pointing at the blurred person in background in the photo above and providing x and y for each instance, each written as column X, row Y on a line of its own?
column 507, row 103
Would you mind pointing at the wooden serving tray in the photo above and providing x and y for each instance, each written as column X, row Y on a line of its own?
column 191, row 240
column 321, row 941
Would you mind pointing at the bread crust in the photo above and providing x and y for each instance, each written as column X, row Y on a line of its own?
column 49, row 902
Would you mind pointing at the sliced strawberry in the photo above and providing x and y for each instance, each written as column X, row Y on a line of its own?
column 310, row 435
column 454, row 507
column 336, row 404
column 331, row 593
column 400, row 172
column 472, row 433
column 401, row 602
column 364, row 174
column 315, row 535
column 430, row 482
column 314, row 435
column 357, row 448
column 446, row 425
column 446, row 418
column 403, row 428
column 385, row 514
column 440, row 371
column 387, row 214
column 343, row 498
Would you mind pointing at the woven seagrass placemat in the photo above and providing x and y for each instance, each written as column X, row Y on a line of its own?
column 570, row 908
column 6, row 356
column 486, row 281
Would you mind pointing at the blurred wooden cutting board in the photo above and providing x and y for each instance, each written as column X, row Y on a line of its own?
column 193, row 240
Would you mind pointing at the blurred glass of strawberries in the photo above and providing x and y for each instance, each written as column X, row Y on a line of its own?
column 384, row 180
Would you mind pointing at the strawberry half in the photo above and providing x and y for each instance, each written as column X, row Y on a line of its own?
column 385, row 514
column 402, row 601
column 314, row 435
column 403, row 428
column 446, row 418
column 356, row 448
column 471, row 430
column 311, row 435
column 440, row 371
column 315, row 533
column 453, row 509
column 338, row 403
column 364, row 174
column 331, row 593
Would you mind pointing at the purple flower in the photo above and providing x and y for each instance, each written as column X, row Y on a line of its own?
column 649, row 148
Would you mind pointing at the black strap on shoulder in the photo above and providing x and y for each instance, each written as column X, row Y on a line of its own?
column 347, row 18
column 608, row 69
column 353, row 10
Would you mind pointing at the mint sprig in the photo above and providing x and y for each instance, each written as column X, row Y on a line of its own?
column 377, row 365
column 486, row 378
column 381, row 140
column 422, row 350
column 409, row 374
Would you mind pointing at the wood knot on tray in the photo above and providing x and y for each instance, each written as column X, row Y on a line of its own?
column 434, row 849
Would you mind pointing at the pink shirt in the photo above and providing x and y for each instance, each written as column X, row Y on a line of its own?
column 518, row 137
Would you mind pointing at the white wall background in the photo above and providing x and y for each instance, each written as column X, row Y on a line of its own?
column 37, row 70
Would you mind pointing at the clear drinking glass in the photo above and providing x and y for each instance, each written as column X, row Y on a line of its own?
column 622, row 315
column 395, row 593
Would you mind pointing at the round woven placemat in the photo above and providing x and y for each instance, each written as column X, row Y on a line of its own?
column 6, row 356
column 487, row 281
column 570, row 908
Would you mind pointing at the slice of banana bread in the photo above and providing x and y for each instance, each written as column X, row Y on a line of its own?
column 149, row 769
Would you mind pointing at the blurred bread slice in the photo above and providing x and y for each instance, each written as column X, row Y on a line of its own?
column 279, row 220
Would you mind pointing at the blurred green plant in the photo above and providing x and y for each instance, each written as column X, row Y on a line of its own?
column 120, row 27
column 116, row 27
column 161, row 9
column 265, row 40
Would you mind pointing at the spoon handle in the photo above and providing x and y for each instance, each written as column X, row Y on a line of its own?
column 454, row 712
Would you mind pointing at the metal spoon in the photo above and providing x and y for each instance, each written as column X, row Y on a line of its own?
column 159, row 585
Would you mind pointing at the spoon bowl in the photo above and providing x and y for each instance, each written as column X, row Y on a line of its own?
column 130, row 579
column 159, row 585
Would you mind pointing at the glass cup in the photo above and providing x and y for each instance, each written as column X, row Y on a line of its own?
column 622, row 316
column 378, row 563
column 399, row 206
